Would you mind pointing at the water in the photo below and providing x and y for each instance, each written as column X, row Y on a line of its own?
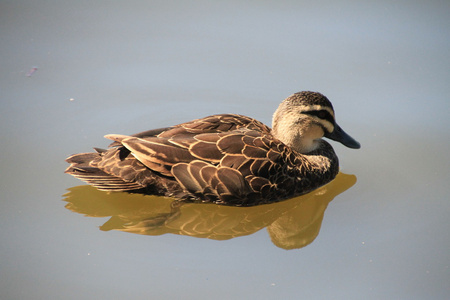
column 116, row 67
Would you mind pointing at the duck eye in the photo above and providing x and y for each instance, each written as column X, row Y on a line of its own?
column 322, row 114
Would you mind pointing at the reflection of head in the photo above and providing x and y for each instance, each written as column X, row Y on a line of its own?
column 293, row 233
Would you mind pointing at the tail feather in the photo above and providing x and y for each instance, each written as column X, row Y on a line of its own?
column 83, row 167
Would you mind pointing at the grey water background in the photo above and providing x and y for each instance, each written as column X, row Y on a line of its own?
column 128, row 66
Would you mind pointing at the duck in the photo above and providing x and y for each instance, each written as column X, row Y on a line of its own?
column 226, row 159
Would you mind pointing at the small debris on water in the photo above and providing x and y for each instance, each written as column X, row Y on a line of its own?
column 31, row 72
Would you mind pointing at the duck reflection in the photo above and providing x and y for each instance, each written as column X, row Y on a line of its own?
column 291, row 224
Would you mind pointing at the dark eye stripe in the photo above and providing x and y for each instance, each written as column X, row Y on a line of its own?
column 322, row 114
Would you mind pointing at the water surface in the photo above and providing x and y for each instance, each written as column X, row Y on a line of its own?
column 116, row 67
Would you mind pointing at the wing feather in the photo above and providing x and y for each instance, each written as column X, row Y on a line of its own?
column 206, row 151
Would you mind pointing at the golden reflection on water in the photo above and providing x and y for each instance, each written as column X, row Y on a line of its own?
column 291, row 224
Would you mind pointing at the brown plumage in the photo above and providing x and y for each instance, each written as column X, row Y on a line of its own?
column 227, row 159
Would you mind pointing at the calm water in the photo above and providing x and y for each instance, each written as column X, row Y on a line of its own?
column 379, row 231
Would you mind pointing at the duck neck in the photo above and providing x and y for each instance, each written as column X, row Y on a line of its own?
column 324, row 158
column 299, row 136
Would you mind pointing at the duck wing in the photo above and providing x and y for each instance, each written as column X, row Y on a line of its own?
column 160, row 149
column 234, row 167
column 228, row 159
column 226, row 167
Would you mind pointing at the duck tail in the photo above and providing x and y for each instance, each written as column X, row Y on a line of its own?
column 83, row 166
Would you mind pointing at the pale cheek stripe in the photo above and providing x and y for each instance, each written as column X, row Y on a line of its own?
column 327, row 125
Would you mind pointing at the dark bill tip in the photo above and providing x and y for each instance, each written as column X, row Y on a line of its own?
column 341, row 136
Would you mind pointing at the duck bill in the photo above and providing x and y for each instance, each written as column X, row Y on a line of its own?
column 341, row 136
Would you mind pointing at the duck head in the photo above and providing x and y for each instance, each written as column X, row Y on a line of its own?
column 303, row 118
